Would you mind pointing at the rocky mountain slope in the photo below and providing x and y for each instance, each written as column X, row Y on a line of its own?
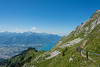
column 65, row 53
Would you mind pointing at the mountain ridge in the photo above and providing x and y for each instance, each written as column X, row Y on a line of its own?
column 20, row 36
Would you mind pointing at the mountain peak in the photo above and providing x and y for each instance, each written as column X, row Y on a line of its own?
column 98, row 10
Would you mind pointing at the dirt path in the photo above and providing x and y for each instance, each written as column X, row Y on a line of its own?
column 85, row 56
column 83, row 43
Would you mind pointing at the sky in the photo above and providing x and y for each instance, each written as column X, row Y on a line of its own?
column 45, row 16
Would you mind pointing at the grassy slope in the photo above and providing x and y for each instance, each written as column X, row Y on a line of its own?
column 92, row 45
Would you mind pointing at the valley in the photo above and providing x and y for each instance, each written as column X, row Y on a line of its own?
column 12, row 44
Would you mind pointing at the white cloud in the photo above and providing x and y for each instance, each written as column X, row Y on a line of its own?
column 33, row 28
column 57, row 33
column 17, row 29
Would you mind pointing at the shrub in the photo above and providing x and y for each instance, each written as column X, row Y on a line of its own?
column 63, row 51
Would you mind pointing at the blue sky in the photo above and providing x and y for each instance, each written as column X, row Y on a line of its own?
column 45, row 16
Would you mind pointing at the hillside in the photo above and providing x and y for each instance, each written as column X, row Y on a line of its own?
column 24, row 57
column 85, row 37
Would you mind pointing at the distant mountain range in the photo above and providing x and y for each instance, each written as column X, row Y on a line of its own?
column 26, row 38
